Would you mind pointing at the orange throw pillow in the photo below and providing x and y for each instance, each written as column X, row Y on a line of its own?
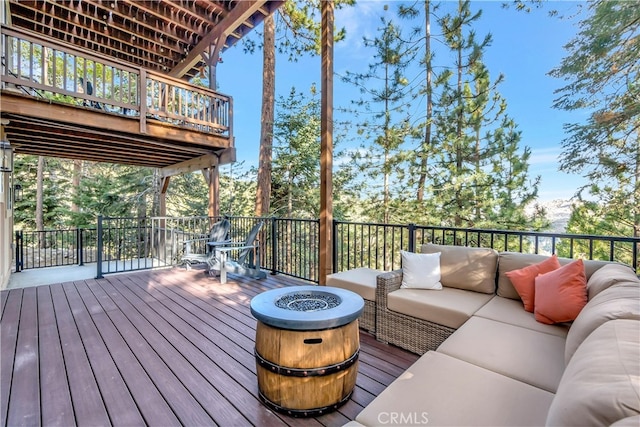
column 561, row 294
column 524, row 279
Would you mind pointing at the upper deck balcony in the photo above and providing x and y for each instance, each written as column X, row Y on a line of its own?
column 64, row 102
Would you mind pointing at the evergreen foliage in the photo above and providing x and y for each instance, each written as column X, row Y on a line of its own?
column 602, row 75
column 385, row 124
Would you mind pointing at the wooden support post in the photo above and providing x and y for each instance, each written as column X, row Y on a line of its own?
column 164, row 186
column 214, row 190
column 326, row 143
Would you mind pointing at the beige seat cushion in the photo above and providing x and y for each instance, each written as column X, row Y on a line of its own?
column 449, row 307
column 362, row 281
column 628, row 422
column 601, row 384
column 609, row 275
column 512, row 312
column 620, row 301
column 525, row 355
column 509, row 261
column 473, row 269
column 440, row 390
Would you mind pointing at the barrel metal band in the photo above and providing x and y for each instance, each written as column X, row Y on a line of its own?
column 306, row 372
column 304, row 412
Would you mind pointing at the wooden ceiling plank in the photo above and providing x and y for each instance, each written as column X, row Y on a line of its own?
column 110, row 136
column 71, row 141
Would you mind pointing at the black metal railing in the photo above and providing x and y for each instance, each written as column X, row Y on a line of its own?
column 291, row 246
column 377, row 246
column 50, row 248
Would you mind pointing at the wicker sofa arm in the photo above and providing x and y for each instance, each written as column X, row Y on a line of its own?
column 385, row 283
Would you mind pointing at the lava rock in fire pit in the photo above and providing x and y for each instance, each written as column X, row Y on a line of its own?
column 308, row 301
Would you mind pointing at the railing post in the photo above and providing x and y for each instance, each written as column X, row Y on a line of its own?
column 412, row 237
column 79, row 233
column 19, row 251
column 142, row 102
column 99, row 251
column 274, row 247
column 334, row 246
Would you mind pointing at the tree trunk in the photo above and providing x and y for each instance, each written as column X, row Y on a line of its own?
column 636, row 192
column 263, row 193
column 459, row 131
column 77, row 172
column 40, row 202
column 428, row 88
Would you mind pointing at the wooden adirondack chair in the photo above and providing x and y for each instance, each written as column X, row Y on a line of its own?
column 218, row 234
column 246, row 259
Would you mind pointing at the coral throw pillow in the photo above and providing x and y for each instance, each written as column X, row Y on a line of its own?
column 524, row 279
column 561, row 294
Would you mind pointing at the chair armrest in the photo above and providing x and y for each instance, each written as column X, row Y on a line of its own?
column 385, row 283
column 232, row 248
column 199, row 239
column 219, row 243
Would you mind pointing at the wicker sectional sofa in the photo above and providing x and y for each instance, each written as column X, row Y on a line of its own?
column 487, row 361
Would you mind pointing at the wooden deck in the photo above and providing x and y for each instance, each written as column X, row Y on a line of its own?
column 162, row 347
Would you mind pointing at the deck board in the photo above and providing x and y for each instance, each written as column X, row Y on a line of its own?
column 8, row 340
column 114, row 391
column 24, row 403
column 161, row 347
column 87, row 401
column 57, row 408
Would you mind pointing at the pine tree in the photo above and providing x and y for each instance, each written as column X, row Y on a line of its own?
column 481, row 178
column 301, row 35
column 602, row 68
column 386, row 120
column 297, row 154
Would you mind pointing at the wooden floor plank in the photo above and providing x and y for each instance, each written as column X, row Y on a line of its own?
column 218, row 348
column 152, row 405
column 55, row 396
column 188, row 410
column 3, row 303
column 199, row 373
column 227, row 378
column 115, row 394
column 87, row 401
column 8, row 340
column 24, row 404
column 163, row 347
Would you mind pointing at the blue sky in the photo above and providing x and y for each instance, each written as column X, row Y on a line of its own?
column 525, row 48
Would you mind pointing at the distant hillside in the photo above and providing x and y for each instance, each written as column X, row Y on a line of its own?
column 558, row 213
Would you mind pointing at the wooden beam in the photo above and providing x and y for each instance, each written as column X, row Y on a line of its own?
column 326, row 142
column 162, row 197
column 65, row 113
column 214, row 191
column 202, row 162
column 241, row 12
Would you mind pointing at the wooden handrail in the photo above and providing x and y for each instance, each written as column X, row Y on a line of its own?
column 83, row 79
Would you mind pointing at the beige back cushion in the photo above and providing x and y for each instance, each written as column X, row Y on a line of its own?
column 472, row 269
column 620, row 301
column 600, row 385
column 609, row 275
column 514, row 260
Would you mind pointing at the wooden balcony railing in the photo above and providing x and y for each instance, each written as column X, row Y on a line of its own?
column 43, row 68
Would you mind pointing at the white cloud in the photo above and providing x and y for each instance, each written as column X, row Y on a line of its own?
column 548, row 155
column 359, row 21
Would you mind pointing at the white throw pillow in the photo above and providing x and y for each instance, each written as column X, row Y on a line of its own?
column 420, row 271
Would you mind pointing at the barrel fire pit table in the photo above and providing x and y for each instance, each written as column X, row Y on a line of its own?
column 307, row 346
